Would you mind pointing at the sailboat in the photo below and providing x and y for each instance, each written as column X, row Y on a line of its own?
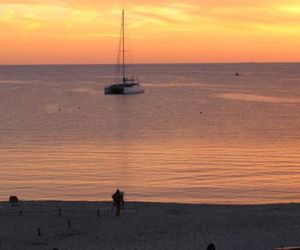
column 124, row 84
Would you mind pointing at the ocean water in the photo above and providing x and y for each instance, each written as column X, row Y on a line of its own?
column 199, row 134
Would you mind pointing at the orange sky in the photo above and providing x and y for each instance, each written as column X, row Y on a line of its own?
column 86, row 31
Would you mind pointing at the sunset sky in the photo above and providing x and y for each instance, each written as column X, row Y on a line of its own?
column 162, row 31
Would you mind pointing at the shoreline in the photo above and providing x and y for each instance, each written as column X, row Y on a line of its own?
column 147, row 225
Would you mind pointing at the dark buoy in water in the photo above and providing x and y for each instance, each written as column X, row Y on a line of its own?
column 59, row 110
column 78, row 107
column 236, row 74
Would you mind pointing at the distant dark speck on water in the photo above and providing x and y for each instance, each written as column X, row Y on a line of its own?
column 236, row 74
column 59, row 110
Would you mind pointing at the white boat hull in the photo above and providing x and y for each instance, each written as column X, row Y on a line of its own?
column 133, row 90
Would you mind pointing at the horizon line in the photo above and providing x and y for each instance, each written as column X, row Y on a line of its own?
column 164, row 63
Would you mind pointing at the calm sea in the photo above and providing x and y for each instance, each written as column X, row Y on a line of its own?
column 199, row 134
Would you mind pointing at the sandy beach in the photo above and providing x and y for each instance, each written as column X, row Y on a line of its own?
column 93, row 225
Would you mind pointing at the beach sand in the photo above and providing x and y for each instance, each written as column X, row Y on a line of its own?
column 93, row 225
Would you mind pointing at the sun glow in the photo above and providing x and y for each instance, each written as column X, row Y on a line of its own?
column 71, row 31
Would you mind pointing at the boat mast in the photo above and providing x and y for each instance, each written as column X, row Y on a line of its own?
column 123, row 47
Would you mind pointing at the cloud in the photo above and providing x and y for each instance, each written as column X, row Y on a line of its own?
column 191, row 12
column 171, row 14
column 202, row 30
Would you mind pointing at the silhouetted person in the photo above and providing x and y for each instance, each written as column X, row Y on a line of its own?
column 211, row 246
column 117, row 201
column 122, row 199
column 14, row 201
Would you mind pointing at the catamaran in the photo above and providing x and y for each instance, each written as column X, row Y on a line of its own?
column 124, row 84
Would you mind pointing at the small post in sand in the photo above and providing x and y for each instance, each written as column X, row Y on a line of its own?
column 69, row 223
